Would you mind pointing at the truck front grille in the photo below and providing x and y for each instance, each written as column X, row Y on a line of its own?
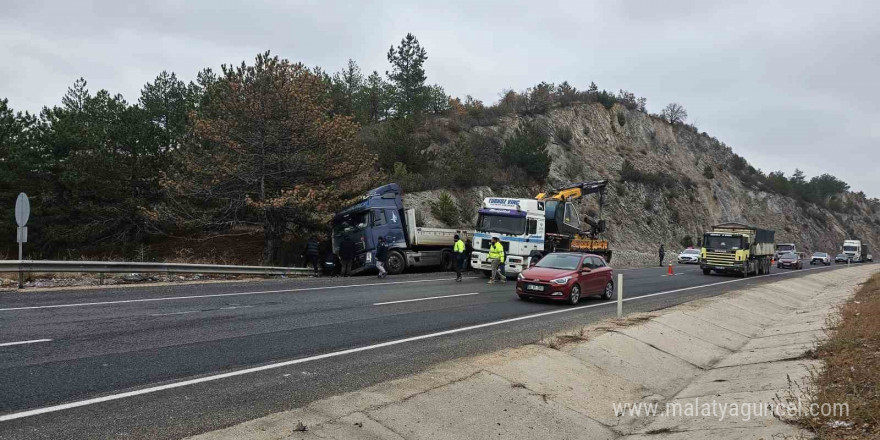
column 720, row 258
column 486, row 242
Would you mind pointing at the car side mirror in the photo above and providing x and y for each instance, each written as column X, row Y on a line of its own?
column 586, row 270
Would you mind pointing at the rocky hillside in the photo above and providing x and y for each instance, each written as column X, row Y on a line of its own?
column 667, row 182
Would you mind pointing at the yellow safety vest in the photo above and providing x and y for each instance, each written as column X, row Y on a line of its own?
column 458, row 247
column 496, row 251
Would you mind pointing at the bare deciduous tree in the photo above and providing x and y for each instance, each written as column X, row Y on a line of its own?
column 675, row 113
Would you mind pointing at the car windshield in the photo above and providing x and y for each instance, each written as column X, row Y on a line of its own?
column 351, row 223
column 789, row 257
column 691, row 251
column 560, row 261
column 500, row 224
column 820, row 254
column 841, row 255
column 723, row 243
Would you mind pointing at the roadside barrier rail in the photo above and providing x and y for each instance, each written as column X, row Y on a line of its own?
column 23, row 266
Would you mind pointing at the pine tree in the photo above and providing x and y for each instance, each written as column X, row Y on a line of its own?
column 407, row 76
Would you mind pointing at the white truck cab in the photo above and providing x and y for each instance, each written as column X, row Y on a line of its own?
column 855, row 251
column 518, row 223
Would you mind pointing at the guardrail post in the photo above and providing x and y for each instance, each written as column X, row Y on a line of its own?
column 20, row 275
column 619, row 295
column 101, row 278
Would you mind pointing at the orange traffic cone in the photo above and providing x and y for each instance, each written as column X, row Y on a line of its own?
column 670, row 271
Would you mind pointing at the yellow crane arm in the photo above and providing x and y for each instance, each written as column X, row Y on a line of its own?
column 574, row 191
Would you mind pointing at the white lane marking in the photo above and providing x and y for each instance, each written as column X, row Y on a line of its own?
column 176, row 313
column 150, row 390
column 220, row 295
column 34, row 341
column 425, row 299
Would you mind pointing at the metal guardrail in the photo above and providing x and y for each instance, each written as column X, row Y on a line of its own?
column 22, row 266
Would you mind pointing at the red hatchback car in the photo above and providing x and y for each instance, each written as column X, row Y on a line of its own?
column 566, row 276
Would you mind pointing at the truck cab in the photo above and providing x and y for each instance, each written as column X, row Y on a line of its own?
column 381, row 213
column 855, row 250
column 785, row 248
column 378, row 214
column 737, row 248
column 527, row 229
column 520, row 226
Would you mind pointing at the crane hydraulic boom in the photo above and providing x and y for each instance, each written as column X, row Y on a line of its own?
column 575, row 191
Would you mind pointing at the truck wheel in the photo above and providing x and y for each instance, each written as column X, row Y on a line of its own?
column 396, row 263
column 446, row 260
column 707, row 271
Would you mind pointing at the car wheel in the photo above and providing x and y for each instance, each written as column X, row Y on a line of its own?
column 575, row 294
column 523, row 297
column 707, row 271
column 609, row 291
column 396, row 263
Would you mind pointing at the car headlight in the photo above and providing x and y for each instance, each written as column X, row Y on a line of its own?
column 563, row 280
column 520, row 277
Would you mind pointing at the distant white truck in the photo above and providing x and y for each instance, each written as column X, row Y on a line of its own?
column 785, row 248
column 855, row 250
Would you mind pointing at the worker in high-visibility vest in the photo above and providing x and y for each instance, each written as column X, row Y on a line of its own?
column 458, row 251
column 496, row 257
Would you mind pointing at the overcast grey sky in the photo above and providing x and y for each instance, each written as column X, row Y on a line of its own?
column 786, row 84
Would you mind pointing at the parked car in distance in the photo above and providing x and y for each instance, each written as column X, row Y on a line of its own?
column 841, row 258
column 790, row 261
column 689, row 256
column 566, row 276
column 820, row 258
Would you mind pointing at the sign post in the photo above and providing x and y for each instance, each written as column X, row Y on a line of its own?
column 22, row 214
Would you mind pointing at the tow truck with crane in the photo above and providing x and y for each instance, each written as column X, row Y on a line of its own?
column 530, row 228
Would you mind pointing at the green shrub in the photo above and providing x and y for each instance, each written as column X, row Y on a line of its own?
column 411, row 181
column 459, row 163
column 621, row 119
column 687, row 241
column 445, row 210
column 606, row 99
column 708, row 173
column 396, row 141
column 564, row 135
column 525, row 149
column 739, row 164
column 586, row 131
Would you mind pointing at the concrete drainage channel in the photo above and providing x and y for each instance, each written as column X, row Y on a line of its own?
column 702, row 369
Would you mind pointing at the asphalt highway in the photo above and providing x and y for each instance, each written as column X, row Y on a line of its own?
column 171, row 361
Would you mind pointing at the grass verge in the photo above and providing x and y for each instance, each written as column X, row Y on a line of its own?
column 852, row 369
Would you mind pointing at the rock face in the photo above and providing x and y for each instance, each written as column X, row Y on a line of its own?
column 642, row 213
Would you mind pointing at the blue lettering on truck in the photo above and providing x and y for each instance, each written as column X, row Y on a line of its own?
column 504, row 201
